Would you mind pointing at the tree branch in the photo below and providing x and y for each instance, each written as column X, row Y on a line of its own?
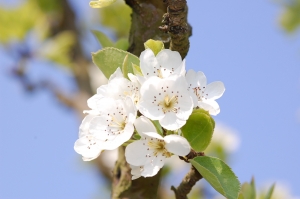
column 176, row 25
column 187, row 183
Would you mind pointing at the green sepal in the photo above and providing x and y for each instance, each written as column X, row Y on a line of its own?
column 155, row 46
column 199, row 129
column 157, row 127
column 218, row 174
column 126, row 67
column 137, row 70
column 136, row 136
column 109, row 59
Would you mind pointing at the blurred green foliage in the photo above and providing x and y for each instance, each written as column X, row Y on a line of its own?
column 17, row 21
column 290, row 19
column 117, row 17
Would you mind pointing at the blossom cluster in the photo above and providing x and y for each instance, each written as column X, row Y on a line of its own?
column 163, row 93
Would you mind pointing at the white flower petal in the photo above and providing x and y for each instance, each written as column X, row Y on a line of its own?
column 170, row 61
column 116, row 74
column 171, row 121
column 186, row 107
column 214, row 90
column 153, row 135
column 181, row 69
column 177, row 145
column 211, row 106
column 152, row 169
column 129, row 107
column 143, row 124
column 201, row 79
column 85, row 125
column 191, row 78
column 150, row 110
column 121, row 138
column 93, row 101
column 136, row 171
column 136, row 152
column 85, row 147
column 148, row 63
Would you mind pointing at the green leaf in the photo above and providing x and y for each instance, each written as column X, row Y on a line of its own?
column 58, row 48
column 270, row 192
column 103, row 39
column 137, row 70
column 122, row 44
column 109, row 59
column 219, row 175
column 198, row 129
column 155, row 46
column 117, row 17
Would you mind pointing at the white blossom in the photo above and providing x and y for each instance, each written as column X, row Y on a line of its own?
column 147, row 155
column 88, row 145
column 204, row 95
column 164, row 64
column 166, row 100
column 118, row 87
column 108, row 130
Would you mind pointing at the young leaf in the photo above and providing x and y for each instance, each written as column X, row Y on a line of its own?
column 270, row 192
column 155, row 46
column 219, row 175
column 109, row 59
column 103, row 39
column 199, row 129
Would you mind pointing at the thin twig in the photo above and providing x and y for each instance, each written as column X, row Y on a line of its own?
column 187, row 183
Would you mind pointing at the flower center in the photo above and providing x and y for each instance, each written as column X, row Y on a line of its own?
column 117, row 126
column 158, row 146
column 168, row 103
column 200, row 93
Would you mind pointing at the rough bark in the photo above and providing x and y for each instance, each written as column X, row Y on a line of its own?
column 191, row 178
column 176, row 25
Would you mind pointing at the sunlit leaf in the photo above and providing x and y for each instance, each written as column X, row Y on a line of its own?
column 109, row 59
column 219, row 175
column 198, row 129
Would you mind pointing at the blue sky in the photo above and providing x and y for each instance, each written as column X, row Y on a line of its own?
column 237, row 42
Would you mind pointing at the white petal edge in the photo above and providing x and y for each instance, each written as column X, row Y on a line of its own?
column 143, row 124
column 215, row 90
column 177, row 145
